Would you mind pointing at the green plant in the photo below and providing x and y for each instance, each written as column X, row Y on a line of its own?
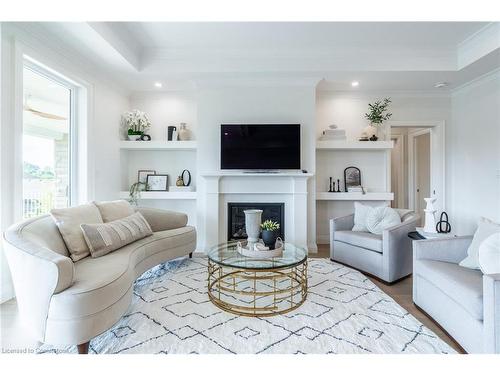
column 377, row 114
column 135, row 191
column 270, row 225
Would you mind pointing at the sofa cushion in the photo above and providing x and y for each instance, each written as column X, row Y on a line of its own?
column 365, row 240
column 114, row 210
column 100, row 282
column 107, row 237
column 463, row 285
column 68, row 220
column 485, row 229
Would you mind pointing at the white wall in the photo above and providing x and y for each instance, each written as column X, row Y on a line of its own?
column 473, row 154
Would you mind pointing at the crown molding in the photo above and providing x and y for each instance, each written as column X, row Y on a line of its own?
column 490, row 76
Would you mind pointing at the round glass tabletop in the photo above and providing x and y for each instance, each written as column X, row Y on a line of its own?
column 226, row 255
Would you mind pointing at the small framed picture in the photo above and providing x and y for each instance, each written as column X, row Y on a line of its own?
column 142, row 174
column 157, row 182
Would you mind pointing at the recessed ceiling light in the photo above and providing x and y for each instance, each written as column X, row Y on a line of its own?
column 158, row 84
column 440, row 85
column 354, row 83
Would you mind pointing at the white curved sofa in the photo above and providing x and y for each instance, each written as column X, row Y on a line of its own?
column 63, row 302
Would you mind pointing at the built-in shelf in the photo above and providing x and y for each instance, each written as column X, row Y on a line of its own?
column 374, row 196
column 354, row 145
column 158, row 145
column 255, row 174
column 178, row 195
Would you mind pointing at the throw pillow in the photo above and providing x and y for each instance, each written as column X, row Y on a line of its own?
column 114, row 210
column 68, row 220
column 382, row 218
column 485, row 229
column 489, row 254
column 107, row 237
column 360, row 213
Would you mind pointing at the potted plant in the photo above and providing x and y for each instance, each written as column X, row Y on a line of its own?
column 269, row 232
column 135, row 192
column 137, row 124
column 377, row 115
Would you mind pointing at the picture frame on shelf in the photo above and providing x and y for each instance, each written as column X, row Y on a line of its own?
column 157, row 182
column 352, row 177
column 142, row 174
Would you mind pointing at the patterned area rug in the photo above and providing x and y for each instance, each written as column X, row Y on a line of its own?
column 344, row 313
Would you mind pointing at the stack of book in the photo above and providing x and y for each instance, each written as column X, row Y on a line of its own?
column 356, row 189
column 333, row 134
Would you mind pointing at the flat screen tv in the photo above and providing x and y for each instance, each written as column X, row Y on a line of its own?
column 260, row 146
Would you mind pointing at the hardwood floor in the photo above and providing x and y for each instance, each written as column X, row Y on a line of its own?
column 13, row 337
column 401, row 292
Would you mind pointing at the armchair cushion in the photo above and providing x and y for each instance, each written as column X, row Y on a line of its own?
column 464, row 286
column 114, row 210
column 381, row 218
column 489, row 255
column 361, row 212
column 365, row 240
column 68, row 220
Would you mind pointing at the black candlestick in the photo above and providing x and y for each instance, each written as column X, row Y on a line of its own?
column 338, row 186
column 330, row 186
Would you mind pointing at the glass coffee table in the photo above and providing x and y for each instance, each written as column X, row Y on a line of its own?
column 257, row 286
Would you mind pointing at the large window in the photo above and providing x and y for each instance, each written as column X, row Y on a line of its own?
column 47, row 141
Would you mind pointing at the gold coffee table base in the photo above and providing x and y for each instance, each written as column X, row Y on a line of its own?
column 257, row 292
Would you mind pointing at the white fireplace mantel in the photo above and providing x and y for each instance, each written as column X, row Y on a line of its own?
column 289, row 188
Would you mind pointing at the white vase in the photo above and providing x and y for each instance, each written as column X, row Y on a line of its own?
column 430, row 216
column 184, row 133
column 253, row 218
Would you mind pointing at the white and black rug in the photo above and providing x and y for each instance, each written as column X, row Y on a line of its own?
column 344, row 313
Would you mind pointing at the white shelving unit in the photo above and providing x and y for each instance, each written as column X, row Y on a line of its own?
column 158, row 145
column 374, row 196
column 354, row 145
column 173, row 195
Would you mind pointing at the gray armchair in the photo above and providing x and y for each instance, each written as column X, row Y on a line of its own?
column 463, row 301
column 387, row 256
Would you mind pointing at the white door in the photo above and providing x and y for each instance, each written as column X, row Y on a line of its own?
column 422, row 168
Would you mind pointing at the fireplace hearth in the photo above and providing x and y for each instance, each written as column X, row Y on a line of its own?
column 236, row 217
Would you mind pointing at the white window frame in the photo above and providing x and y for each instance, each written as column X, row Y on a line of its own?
column 73, row 117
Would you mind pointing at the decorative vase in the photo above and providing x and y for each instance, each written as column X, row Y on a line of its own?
column 269, row 237
column 253, row 218
column 430, row 218
column 369, row 131
column 134, row 137
column 184, row 132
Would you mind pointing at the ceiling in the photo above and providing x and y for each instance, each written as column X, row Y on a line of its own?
column 380, row 55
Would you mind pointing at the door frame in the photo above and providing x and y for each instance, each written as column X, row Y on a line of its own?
column 412, row 165
column 400, row 138
column 438, row 161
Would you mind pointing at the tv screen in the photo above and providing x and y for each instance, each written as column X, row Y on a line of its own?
column 260, row 147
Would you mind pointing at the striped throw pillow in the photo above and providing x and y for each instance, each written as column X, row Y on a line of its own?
column 107, row 237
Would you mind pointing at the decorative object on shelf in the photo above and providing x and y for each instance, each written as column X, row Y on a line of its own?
column 188, row 182
column 338, row 186
column 135, row 191
column 269, row 233
column 253, row 218
column 157, row 182
column 443, row 225
column 142, row 175
column 331, row 186
column 145, row 137
column 184, row 132
column 352, row 177
column 356, row 189
column 373, row 138
column 333, row 134
column 170, row 133
column 259, row 250
column 377, row 114
column 137, row 124
column 430, row 218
